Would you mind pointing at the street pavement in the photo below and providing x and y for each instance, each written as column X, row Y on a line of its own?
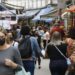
column 44, row 70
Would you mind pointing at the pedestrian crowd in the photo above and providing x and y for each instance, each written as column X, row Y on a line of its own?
column 23, row 45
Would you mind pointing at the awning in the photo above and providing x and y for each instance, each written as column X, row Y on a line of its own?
column 20, row 16
column 44, row 11
column 47, row 19
column 71, row 9
column 31, row 13
column 7, row 13
column 2, row 8
column 28, row 14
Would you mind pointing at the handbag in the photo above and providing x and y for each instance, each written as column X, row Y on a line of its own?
column 22, row 72
column 67, row 59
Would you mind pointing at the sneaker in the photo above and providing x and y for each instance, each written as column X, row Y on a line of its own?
column 39, row 67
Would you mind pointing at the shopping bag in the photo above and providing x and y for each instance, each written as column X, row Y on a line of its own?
column 43, row 52
column 68, row 62
column 22, row 72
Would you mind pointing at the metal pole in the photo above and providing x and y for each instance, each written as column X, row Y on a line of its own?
column 73, row 2
column 51, row 2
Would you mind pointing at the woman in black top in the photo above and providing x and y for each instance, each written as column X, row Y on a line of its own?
column 58, row 64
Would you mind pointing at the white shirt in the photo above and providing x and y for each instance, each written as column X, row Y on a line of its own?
column 46, row 36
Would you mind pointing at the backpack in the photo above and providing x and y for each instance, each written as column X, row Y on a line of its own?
column 25, row 48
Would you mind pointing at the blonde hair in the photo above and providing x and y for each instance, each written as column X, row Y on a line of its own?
column 3, row 30
column 56, row 38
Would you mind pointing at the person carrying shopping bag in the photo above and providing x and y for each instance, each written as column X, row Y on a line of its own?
column 58, row 64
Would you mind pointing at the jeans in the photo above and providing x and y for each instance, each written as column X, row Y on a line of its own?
column 58, row 67
column 29, row 65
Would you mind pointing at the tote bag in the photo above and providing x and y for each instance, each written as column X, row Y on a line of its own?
column 22, row 72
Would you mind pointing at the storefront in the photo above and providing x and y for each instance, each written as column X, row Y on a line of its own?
column 71, row 19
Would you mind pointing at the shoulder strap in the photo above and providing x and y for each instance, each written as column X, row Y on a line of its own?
column 60, row 51
column 13, row 43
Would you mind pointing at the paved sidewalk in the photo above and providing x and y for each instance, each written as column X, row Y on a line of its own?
column 44, row 68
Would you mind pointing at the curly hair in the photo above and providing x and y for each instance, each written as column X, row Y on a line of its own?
column 25, row 30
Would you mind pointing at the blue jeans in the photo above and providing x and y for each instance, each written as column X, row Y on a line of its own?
column 29, row 65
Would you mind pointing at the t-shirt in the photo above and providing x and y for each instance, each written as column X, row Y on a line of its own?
column 46, row 36
column 53, row 53
column 12, row 54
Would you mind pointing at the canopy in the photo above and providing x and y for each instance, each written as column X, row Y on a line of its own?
column 7, row 13
column 43, row 11
column 27, row 14
column 47, row 19
column 31, row 13
column 2, row 8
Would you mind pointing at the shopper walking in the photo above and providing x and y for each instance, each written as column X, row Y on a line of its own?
column 58, row 64
column 10, row 60
column 31, row 48
column 10, row 40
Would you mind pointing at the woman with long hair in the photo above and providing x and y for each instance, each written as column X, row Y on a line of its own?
column 58, row 64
